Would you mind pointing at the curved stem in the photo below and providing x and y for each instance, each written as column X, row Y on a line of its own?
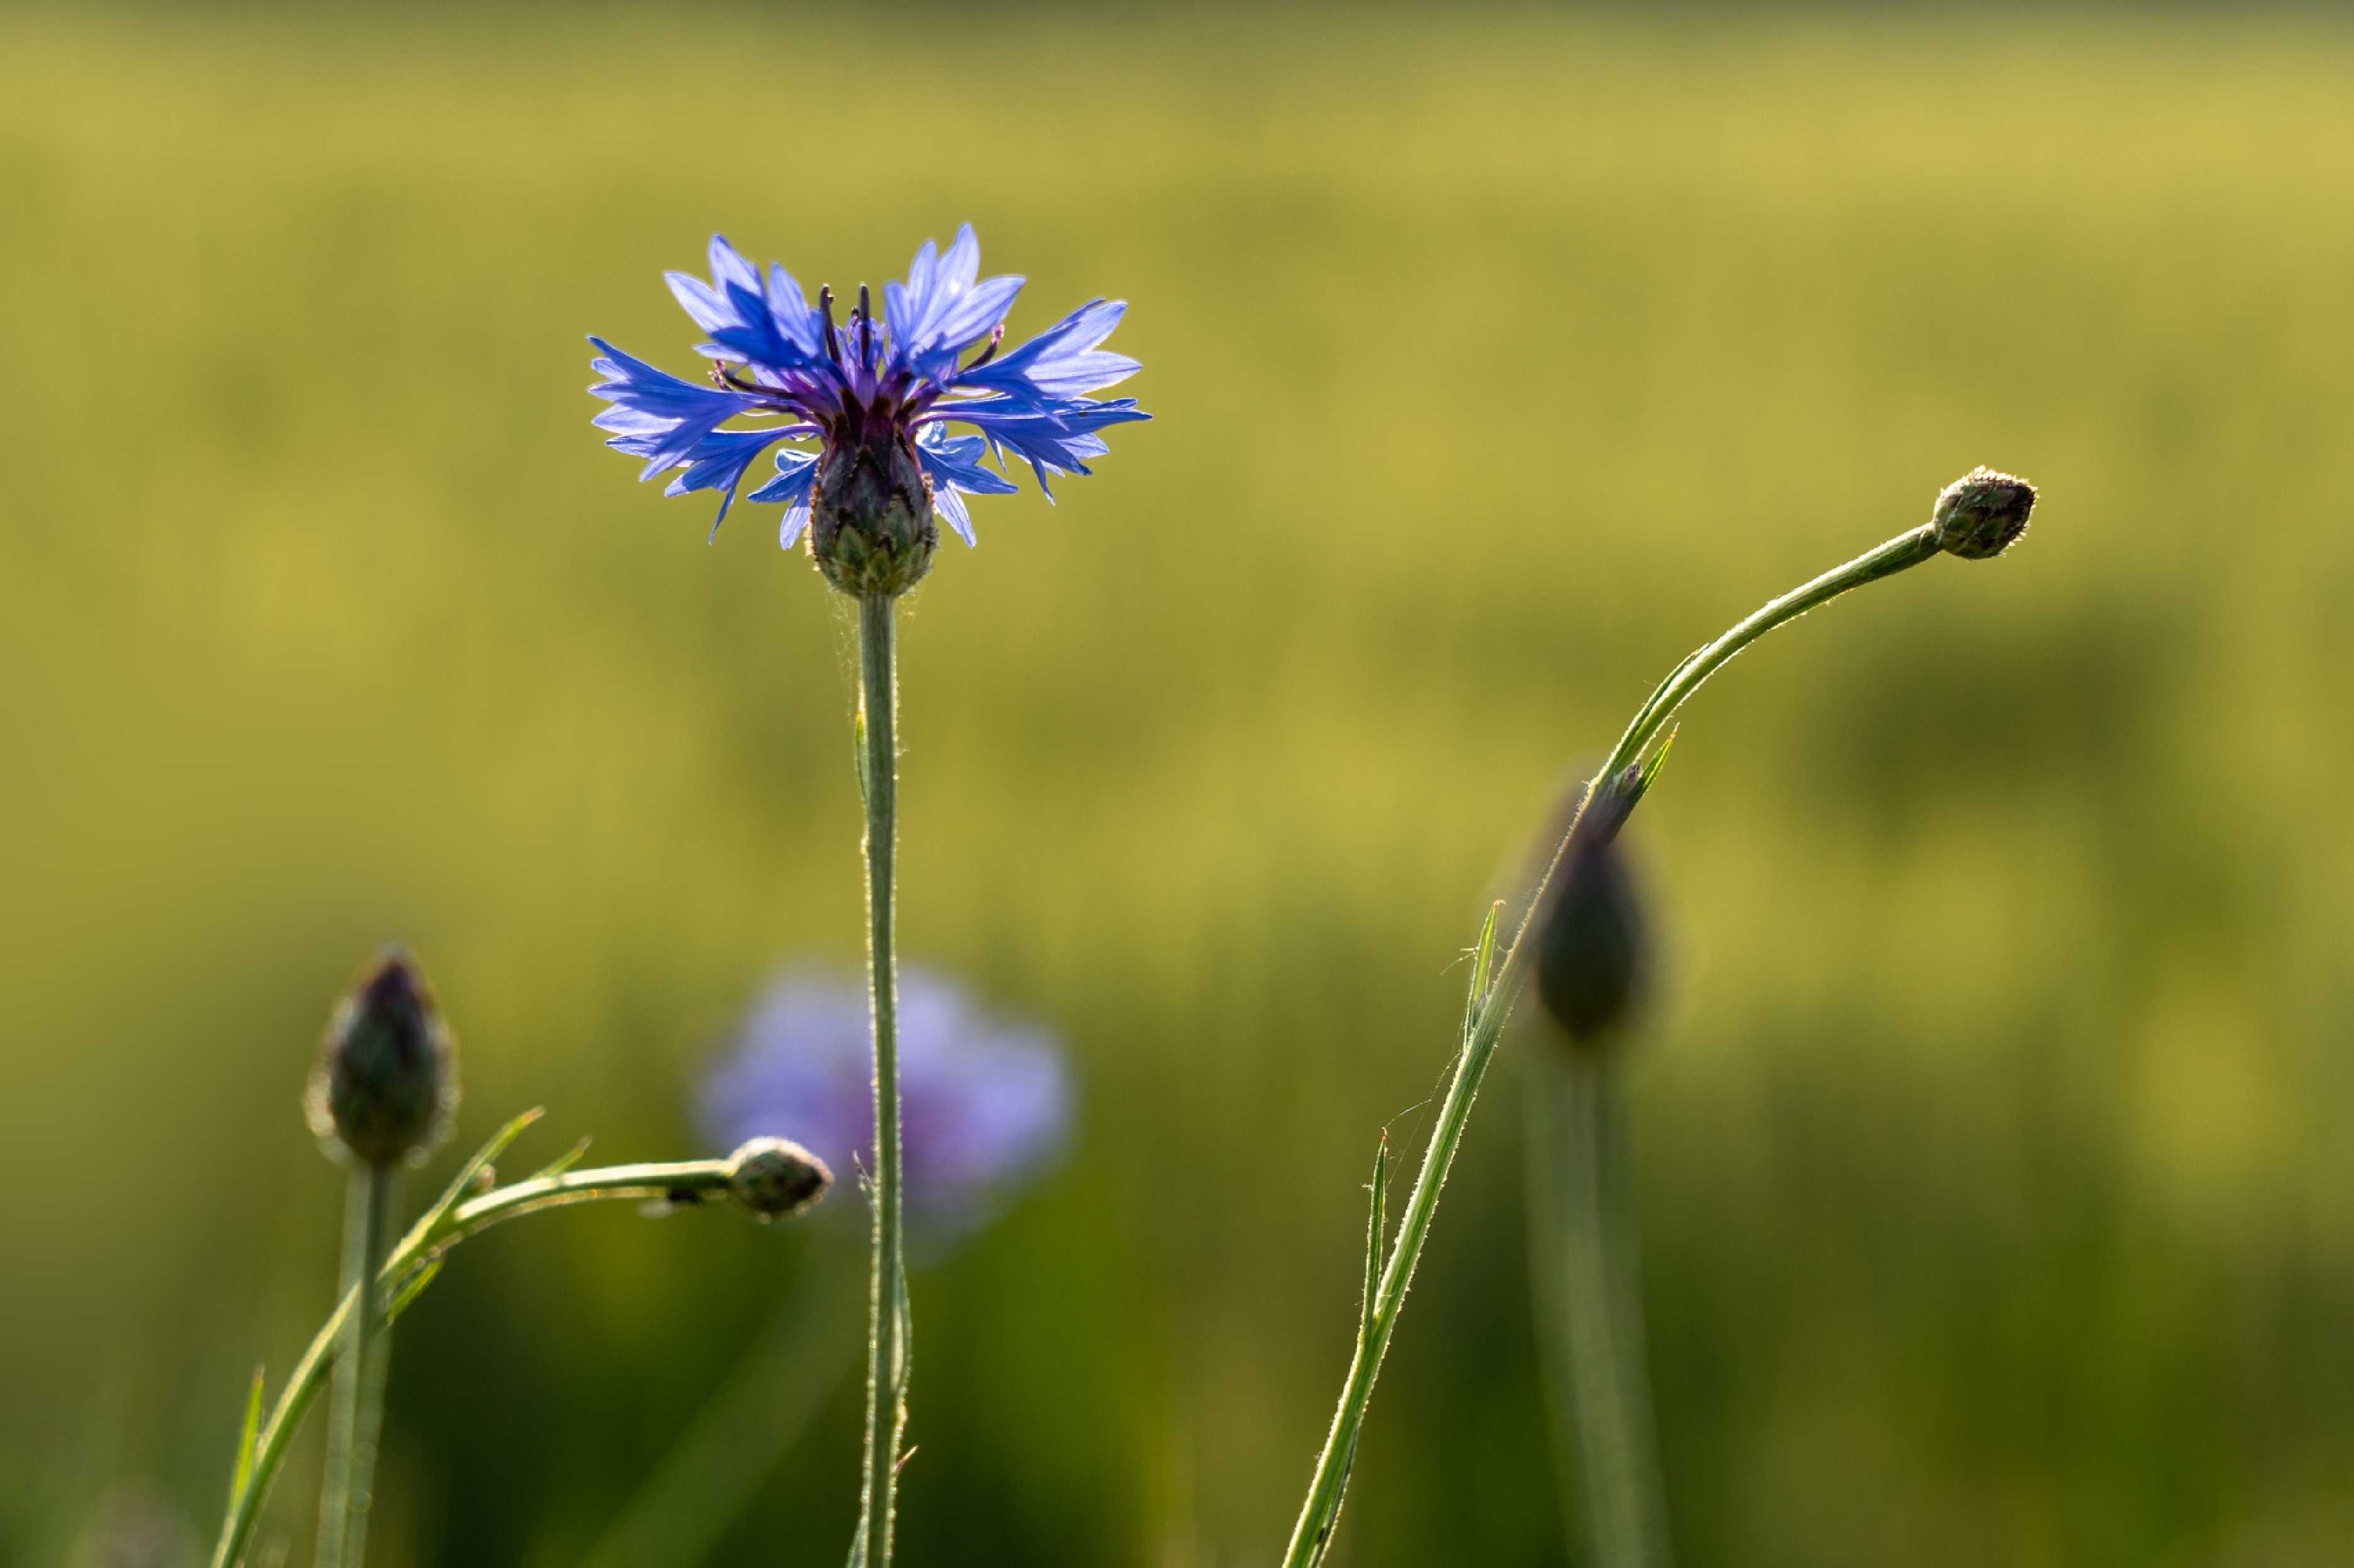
column 404, row 1272
column 358, row 1410
column 1584, row 1262
column 1321, row 1513
column 681, row 1181
column 1907, row 549
column 888, row 1351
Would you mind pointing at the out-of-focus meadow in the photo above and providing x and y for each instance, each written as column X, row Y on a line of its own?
column 1997, row 1195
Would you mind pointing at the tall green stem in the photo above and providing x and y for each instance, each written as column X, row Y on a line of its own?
column 1582, row 1259
column 357, row 1412
column 887, row 1357
column 1321, row 1511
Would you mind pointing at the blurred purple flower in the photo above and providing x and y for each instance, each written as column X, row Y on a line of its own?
column 985, row 1101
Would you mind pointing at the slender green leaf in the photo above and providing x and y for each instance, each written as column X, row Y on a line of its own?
column 414, row 1285
column 1332, row 1516
column 1651, row 766
column 562, row 1162
column 1483, row 964
column 1377, row 1226
column 248, row 1437
column 1376, row 1230
column 429, row 1224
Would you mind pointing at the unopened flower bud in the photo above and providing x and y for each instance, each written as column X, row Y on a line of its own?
column 1594, row 950
column 776, row 1178
column 387, row 1082
column 1981, row 514
column 871, row 528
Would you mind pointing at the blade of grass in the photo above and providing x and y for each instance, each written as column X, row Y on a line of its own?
column 248, row 1434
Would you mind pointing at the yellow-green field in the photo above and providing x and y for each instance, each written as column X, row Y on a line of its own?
column 1994, row 1156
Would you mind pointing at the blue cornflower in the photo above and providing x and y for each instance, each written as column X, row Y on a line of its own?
column 877, row 396
column 984, row 1102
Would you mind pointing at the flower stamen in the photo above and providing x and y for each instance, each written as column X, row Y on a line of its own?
column 825, row 309
column 996, row 342
column 727, row 379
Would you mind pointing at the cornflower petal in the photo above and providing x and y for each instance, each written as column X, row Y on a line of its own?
column 729, row 271
column 1055, row 436
column 940, row 311
column 951, row 505
column 953, row 464
column 717, row 463
column 973, row 316
column 1062, row 361
column 903, row 304
column 796, row 478
column 655, row 415
column 794, row 316
column 709, row 309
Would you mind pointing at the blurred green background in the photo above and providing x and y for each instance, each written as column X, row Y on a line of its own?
column 1999, row 1201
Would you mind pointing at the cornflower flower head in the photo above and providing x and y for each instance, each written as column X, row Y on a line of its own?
column 985, row 1102
column 879, row 397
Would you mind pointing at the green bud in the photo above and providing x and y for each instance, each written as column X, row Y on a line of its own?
column 386, row 1081
column 871, row 528
column 776, row 1178
column 1981, row 514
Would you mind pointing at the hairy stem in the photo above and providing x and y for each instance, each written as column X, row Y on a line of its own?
column 684, row 1182
column 1321, row 1513
column 1584, row 1264
column 888, row 1352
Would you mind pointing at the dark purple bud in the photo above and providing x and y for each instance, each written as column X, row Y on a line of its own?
column 387, row 1082
column 1594, row 949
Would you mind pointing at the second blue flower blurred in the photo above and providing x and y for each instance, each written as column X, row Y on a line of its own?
column 986, row 1100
